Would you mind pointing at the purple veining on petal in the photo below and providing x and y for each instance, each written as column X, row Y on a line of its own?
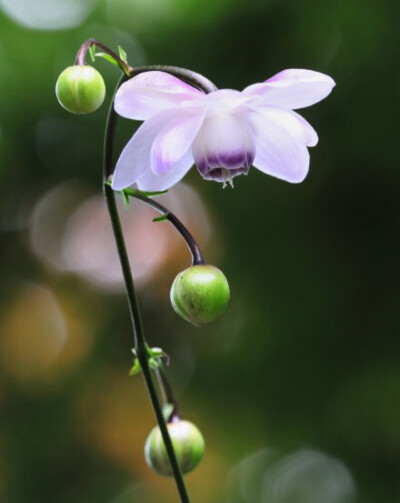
column 233, row 160
column 202, row 167
column 230, row 161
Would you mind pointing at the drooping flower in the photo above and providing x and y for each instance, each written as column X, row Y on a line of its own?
column 224, row 133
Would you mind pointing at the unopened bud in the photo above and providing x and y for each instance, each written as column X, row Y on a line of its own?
column 200, row 293
column 188, row 445
column 80, row 89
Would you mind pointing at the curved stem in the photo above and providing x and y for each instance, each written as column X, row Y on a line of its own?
column 197, row 255
column 193, row 78
column 137, row 325
column 140, row 340
column 81, row 55
column 189, row 76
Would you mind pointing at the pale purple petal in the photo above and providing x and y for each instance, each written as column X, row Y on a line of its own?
column 278, row 152
column 292, row 89
column 173, row 142
column 151, row 182
column 135, row 157
column 291, row 121
column 151, row 92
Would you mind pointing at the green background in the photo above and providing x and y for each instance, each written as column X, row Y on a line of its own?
column 296, row 387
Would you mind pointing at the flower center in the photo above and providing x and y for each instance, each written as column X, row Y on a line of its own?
column 224, row 148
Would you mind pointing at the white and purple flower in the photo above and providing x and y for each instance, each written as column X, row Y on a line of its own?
column 223, row 133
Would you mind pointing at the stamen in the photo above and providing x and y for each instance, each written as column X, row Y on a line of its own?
column 227, row 178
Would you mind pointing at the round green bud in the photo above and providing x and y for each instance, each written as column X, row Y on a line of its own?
column 80, row 89
column 188, row 445
column 200, row 293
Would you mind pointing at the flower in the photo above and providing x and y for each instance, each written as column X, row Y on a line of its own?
column 223, row 133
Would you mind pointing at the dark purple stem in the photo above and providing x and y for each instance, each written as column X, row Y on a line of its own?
column 197, row 255
column 81, row 54
column 188, row 76
column 171, row 399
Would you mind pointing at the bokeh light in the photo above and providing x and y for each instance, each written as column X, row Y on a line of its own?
column 308, row 477
column 48, row 14
column 304, row 476
column 77, row 237
column 43, row 337
column 28, row 350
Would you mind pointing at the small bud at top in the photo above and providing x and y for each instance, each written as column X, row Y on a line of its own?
column 80, row 89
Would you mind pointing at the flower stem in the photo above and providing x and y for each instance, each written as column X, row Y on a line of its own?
column 137, row 325
column 197, row 255
column 139, row 336
column 81, row 55
column 193, row 78
column 169, row 395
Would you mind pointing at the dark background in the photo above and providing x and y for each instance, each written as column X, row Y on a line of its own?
column 296, row 387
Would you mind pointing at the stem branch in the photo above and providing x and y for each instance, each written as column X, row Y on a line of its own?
column 189, row 76
column 170, row 396
column 139, row 337
column 137, row 325
column 197, row 255
column 81, row 55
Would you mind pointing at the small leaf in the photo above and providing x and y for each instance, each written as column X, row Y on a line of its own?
column 156, row 352
column 136, row 368
column 122, row 54
column 161, row 218
column 154, row 363
column 92, row 51
column 108, row 58
column 125, row 199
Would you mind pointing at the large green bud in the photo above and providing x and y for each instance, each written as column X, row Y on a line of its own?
column 200, row 293
column 80, row 89
column 188, row 445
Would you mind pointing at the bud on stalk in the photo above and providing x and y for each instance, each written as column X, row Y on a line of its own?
column 80, row 89
column 188, row 445
column 199, row 294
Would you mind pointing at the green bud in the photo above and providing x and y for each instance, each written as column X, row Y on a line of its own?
column 188, row 445
column 200, row 293
column 80, row 89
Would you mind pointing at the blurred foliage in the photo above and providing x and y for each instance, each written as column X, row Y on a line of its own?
column 306, row 355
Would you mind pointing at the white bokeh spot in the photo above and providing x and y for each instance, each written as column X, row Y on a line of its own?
column 48, row 14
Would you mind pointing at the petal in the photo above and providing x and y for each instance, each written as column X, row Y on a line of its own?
column 292, row 122
column 151, row 182
column 279, row 153
column 224, row 141
column 292, row 89
column 135, row 157
column 150, row 92
column 173, row 142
